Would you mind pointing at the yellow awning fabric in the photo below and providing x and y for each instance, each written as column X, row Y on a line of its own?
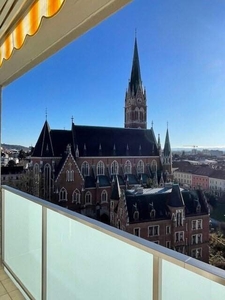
column 28, row 25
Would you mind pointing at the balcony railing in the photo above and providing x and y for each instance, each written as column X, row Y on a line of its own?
column 54, row 253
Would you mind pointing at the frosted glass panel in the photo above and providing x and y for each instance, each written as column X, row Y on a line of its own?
column 179, row 283
column 83, row 263
column 22, row 231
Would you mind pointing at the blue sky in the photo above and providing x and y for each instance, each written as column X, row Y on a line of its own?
column 181, row 47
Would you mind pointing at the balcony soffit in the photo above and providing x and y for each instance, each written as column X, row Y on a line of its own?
column 70, row 20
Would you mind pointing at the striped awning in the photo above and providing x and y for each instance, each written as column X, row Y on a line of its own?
column 33, row 30
column 27, row 25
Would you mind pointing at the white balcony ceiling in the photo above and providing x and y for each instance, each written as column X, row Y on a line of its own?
column 73, row 19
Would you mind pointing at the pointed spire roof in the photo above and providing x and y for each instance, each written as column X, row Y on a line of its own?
column 116, row 192
column 135, row 79
column 43, row 147
column 167, row 148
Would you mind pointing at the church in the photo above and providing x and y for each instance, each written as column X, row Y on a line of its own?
column 78, row 168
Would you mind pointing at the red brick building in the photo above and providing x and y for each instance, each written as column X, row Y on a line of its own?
column 77, row 168
column 170, row 216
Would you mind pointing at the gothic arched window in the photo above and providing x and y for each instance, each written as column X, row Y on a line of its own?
column 104, row 196
column 127, row 167
column 100, row 168
column 63, row 194
column 76, row 196
column 85, row 168
column 114, row 168
column 140, row 167
column 88, row 198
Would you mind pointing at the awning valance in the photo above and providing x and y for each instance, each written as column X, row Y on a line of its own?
column 28, row 24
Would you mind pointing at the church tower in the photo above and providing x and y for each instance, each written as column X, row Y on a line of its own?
column 135, row 99
column 167, row 154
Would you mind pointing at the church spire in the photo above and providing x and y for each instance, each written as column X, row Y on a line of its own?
column 167, row 147
column 135, row 78
column 135, row 97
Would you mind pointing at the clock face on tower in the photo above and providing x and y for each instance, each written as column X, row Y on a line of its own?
column 139, row 100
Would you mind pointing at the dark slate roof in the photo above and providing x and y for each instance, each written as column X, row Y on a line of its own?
column 135, row 79
column 89, row 182
column 107, row 137
column 103, row 180
column 144, row 177
column 132, row 179
column 176, row 199
column 192, row 199
column 159, row 201
column 167, row 148
column 144, row 205
column 52, row 143
column 60, row 140
column 120, row 179
column 43, row 147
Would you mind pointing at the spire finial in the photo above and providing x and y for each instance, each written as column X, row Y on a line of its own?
column 46, row 113
column 152, row 124
column 135, row 32
column 167, row 124
column 72, row 119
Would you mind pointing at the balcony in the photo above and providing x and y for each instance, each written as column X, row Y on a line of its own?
column 54, row 253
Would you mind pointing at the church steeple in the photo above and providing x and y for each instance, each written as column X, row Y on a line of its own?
column 167, row 154
column 135, row 78
column 135, row 99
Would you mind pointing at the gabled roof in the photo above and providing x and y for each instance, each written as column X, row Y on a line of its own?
column 43, row 147
column 135, row 78
column 110, row 138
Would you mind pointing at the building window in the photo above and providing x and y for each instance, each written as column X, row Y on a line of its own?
column 114, row 168
column 127, row 167
column 88, row 198
column 168, row 244
column 179, row 215
column 112, row 204
column 140, row 167
column 153, row 230
column 196, row 253
column 136, row 231
column 196, row 224
column 104, row 196
column 168, row 229
column 63, row 194
column 85, row 168
column 100, row 168
column 76, row 196
column 196, row 239
column 179, row 236
column 70, row 173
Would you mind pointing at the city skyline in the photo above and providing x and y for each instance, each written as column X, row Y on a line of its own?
column 181, row 50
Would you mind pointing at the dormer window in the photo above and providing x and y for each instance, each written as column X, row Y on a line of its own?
column 136, row 215
column 198, row 208
column 152, row 213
